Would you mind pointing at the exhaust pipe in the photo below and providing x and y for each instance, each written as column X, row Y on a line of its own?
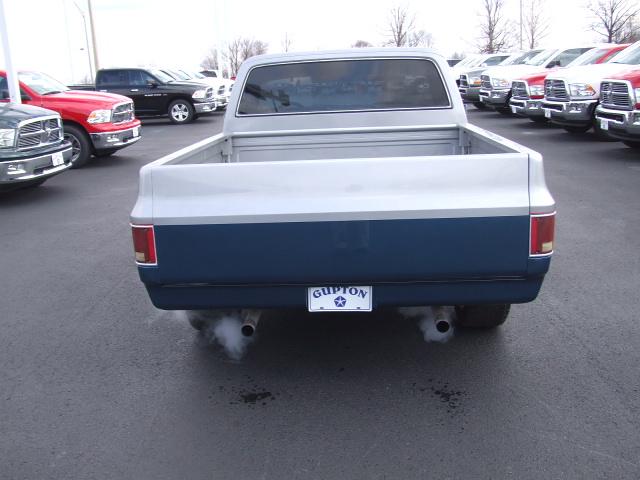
column 250, row 319
column 441, row 320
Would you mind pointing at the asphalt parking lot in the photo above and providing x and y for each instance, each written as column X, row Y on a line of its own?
column 98, row 384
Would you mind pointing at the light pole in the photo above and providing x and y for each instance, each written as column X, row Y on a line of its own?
column 93, row 36
column 12, row 77
column 520, row 24
column 86, row 40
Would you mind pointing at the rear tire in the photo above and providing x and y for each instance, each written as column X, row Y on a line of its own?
column 632, row 144
column 80, row 145
column 181, row 112
column 480, row 105
column 575, row 130
column 482, row 316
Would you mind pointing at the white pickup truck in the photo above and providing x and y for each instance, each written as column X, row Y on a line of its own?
column 346, row 181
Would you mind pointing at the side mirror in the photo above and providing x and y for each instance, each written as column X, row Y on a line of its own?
column 152, row 84
column 4, row 95
column 555, row 63
column 483, row 65
column 25, row 97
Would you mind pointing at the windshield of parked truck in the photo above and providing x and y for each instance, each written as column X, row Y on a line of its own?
column 629, row 56
column 494, row 60
column 542, row 58
column 343, row 85
column 589, row 57
column 520, row 58
column 160, row 75
column 176, row 74
column 41, row 83
column 467, row 61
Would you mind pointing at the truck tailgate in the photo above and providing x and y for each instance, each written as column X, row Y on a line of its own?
column 338, row 221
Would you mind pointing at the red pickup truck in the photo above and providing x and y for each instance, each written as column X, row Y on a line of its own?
column 619, row 109
column 94, row 123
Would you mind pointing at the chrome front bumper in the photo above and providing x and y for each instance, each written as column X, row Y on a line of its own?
column 620, row 124
column 495, row 98
column 115, row 139
column 572, row 112
column 526, row 108
column 43, row 166
column 205, row 107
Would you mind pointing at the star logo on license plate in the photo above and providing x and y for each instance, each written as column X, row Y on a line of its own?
column 340, row 302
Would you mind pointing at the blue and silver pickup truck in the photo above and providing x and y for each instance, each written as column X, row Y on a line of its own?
column 346, row 181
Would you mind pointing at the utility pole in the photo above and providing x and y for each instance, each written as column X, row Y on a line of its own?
column 93, row 37
column 92, row 76
column 12, row 77
column 520, row 24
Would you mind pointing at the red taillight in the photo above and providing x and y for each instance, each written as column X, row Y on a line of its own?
column 144, row 243
column 542, row 231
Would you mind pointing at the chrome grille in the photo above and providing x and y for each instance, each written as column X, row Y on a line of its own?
column 39, row 132
column 555, row 90
column 519, row 90
column 616, row 95
column 486, row 82
column 123, row 113
column 464, row 81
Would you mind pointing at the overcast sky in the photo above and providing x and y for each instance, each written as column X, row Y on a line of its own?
column 151, row 32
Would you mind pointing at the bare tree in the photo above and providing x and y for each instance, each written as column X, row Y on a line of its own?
column 402, row 31
column 361, row 44
column 614, row 19
column 286, row 43
column 495, row 31
column 631, row 32
column 210, row 60
column 536, row 23
column 242, row 48
column 420, row 38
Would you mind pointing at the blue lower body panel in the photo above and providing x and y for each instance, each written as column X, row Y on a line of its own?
column 407, row 262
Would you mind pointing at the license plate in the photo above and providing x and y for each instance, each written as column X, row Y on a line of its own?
column 135, row 131
column 514, row 109
column 339, row 299
column 547, row 113
column 57, row 159
column 604, row 124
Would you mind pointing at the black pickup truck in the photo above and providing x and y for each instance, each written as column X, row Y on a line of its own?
column 154, row 93
column 32, row 146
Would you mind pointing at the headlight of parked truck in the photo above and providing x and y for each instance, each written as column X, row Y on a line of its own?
column 7, row 137
column 581, row 90
column 500, row 83
column 99, row 116
column 199, row 94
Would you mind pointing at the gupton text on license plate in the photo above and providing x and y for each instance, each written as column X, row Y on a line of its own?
column 339, row 299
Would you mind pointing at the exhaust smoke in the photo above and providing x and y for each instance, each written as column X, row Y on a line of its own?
column 436, row 323
column 224, row 328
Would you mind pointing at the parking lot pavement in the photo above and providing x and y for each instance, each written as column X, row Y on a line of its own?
column 97, row 384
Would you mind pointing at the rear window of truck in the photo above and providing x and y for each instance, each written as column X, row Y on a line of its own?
column 343, row 85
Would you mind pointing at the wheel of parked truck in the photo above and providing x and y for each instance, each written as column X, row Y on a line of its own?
column 80, row 145
column 197, row 323
column 480, row 105
column 482, row 316
column 105, row 153
column 575, row 130
column 506, row 111
column 632, row 144
column 181, row 111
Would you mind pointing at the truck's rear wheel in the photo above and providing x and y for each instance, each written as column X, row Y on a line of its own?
column 181, row 111
column 632, row 144
column 80, row 145
column 482, row 316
